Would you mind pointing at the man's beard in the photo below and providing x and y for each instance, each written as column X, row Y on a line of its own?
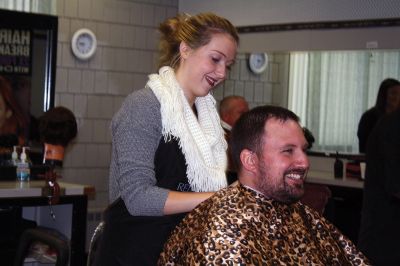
column 278, row 189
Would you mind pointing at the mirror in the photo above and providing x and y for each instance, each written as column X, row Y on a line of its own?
column 28, row 45
column 330, row 90
column 332, row 72
column 27, row 66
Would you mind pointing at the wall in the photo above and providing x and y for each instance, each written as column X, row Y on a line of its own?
column 94, row 90
column 265, row 88
column 265, row 12
column 259, row 12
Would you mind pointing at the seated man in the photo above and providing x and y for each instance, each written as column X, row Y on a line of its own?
column 260, row 221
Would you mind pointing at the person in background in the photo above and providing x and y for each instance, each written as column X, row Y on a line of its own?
column 22, row 87
column 230, row 109
column 168, row 147
column 260, row 221
column 12, row 123
column 387, row 100
column 309, row 137
column 380, row 231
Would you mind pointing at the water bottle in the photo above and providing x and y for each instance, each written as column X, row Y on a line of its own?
column 23, row 167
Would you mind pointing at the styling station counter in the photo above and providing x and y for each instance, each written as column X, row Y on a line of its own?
column 327, row 178
column 68, row 215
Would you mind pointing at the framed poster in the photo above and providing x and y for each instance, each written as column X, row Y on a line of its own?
column 28, row 44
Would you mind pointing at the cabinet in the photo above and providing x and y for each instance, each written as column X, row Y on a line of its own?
column 344, row 206
column 71, row 210
column 344, row 210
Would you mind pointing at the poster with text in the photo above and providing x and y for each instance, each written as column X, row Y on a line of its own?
column 15, row 86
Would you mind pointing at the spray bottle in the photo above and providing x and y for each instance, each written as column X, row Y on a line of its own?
column 14, row 156
column 338, row 167
column 23, row 170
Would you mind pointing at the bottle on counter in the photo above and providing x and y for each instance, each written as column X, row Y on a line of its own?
column 23, row 167
column 338, row 167
column 14, row 156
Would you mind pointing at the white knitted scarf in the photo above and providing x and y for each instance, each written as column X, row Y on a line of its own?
column 201, row 139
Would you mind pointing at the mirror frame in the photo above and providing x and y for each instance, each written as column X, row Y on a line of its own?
column 49, row 25
column 42, row 69
column 347, row 24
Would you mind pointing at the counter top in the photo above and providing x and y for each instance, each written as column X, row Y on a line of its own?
column 12, row 189
column 327, row 178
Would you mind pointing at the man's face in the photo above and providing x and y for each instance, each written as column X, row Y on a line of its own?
column 393, row 98
column 283, row 164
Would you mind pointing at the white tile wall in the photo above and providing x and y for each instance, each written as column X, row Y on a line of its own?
column 257, row 89
column 80, row 105
column 71, row 8
column 85, row 129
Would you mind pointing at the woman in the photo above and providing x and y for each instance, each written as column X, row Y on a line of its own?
column 169, row 152
column 12, row 122
column 387, row 101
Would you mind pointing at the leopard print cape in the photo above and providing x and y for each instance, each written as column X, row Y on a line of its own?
column 238, row 226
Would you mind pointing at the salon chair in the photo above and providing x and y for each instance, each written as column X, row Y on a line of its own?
column 316, row 196
column 94, row 244
column 47, row 236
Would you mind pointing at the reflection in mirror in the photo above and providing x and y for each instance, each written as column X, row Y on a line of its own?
column 28, row 53
column 330, row 90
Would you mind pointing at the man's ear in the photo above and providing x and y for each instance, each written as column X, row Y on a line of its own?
column 184, row 50
column 249, row 160
column 225, row 116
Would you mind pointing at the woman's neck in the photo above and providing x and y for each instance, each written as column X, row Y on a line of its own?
column 181, row 79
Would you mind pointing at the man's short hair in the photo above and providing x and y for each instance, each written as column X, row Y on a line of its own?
column 225, row 104
column 248, row 131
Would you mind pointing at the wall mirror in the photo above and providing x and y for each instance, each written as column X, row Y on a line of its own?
column 330, row 90
column 28, row 44
column 334, row 72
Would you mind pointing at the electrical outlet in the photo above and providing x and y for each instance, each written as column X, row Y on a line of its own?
column 371, row 45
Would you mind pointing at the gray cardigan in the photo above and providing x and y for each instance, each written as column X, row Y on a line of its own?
column 136, row 134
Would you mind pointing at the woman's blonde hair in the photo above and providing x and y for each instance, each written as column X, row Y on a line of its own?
column 195, row 31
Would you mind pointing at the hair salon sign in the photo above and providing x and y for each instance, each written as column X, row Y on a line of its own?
column 15, row 51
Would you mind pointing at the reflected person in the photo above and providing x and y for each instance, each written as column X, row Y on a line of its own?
column 12, row 122
column 387, row 100
column 380, row 220
column 230, row 109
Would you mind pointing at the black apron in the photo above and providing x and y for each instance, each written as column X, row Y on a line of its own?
column 138, row 240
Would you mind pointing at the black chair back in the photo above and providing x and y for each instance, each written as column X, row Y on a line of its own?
column 94, row 244
column 46, row 236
